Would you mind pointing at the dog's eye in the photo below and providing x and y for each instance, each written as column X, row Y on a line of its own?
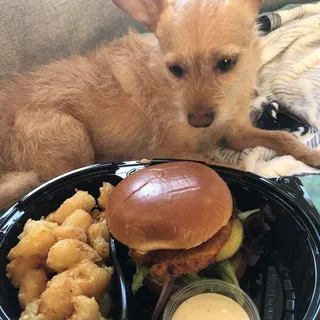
column 226, row 64
column 177, row 71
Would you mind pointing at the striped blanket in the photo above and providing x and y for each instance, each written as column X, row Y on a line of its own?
column 289, row 89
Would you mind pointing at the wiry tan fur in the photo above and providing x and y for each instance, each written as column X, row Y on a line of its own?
column 121, row 102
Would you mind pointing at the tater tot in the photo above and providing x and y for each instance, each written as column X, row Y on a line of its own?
column 90, row 279
column 105, row 192
column 18, row 268
column 32, row 286
column 68, row 252
column 35, row 243
column 56, row 301
column 98, row 236
column 34, row 224
column 69, row 232
column 85, row 278
column 48, row 269
column 97, row 215
column 85, row 309
column 32, row 312
column 80, row 200
column 50, row 217
column 79, row 218
column 68, row 245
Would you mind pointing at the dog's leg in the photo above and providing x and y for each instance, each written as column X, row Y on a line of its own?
column 188, row 144
column 15, row 184
column 51, row 144
column 42, row 146
column 284, row 143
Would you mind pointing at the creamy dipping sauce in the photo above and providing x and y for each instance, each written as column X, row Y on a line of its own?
column 209, row 306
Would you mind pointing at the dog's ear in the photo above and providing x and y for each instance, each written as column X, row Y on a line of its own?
column 146, row 11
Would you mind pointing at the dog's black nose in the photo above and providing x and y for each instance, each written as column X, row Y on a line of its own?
column 200, row 120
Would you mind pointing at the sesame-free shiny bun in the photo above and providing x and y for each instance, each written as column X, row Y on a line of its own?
column 176, row 205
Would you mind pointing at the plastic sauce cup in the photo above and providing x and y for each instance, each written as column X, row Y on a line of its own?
column 217, row 287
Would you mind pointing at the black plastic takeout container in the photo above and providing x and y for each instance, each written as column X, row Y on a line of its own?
column 284, row 284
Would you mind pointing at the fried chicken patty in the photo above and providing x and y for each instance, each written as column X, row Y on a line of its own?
column 182, row 261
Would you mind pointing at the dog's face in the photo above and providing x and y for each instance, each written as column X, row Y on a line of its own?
column 207, row 47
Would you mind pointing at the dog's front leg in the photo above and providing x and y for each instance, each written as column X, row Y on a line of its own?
column 284, row 143
column 188, row 143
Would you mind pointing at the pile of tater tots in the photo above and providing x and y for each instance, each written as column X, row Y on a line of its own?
column 59, row 264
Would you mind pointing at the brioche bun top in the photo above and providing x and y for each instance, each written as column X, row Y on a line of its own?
column 176, row 205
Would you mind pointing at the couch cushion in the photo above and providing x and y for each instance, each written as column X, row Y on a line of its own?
column 36, row 31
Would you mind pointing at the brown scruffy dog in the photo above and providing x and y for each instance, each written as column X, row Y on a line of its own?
column 179, row 92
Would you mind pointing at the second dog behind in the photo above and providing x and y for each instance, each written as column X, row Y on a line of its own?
column 176, row 93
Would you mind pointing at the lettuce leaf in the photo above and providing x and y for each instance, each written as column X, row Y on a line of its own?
column 223, row 270
column 226, row 272
column 189, row 278
column 137, row 280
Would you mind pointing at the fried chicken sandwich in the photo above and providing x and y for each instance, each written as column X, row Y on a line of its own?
column 177, row 221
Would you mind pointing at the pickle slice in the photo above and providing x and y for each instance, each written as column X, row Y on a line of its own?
column 234, row 242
